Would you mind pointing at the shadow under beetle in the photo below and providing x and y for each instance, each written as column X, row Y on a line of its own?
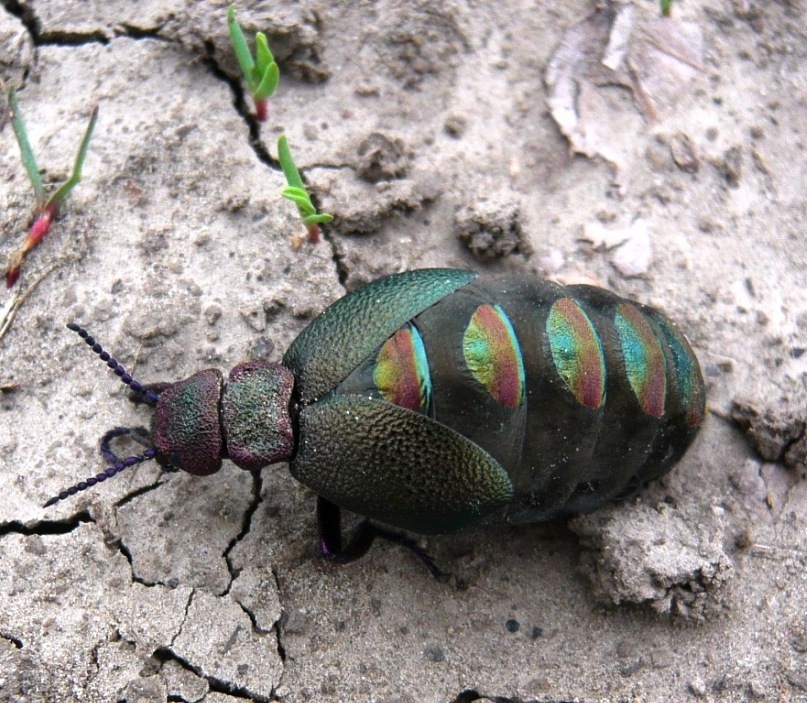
column 436, row 399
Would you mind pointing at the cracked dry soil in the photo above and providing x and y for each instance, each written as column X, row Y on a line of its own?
column 424, row 127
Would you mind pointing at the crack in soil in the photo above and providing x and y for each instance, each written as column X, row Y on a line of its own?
column 217, row 685
column 133, row 32
column 256, row 628
column 57, row 37
column 188, row 604
column 40, row 37
column 143, row 490
column 16, row 642
column 24, row 14
column 471, row 695
column 246, row 526
column 61, row 38
column 127, row 554
column 281, row 648
column 46, row 527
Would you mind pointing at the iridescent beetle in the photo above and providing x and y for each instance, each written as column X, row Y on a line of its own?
column 436, row 399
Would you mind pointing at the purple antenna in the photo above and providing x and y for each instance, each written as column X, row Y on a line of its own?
column 138, row 434
column 149, row 396
column 119, row 466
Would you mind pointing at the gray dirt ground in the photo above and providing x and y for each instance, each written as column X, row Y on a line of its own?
column 414, row 122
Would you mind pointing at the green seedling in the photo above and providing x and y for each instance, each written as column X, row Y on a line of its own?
column 666, row 7
column 261, row 73
column 297, row 193
column 46, row 209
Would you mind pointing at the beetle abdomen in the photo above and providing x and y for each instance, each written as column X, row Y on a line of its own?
column 582, row 396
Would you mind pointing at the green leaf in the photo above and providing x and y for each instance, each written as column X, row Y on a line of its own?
column 263, row 54
column 28, row 158
column 242, row 52
column 287, row 164
column 318, row 219
column 303, row 202
column 75, row 178
column 268, row 84
column 296, row 191
column 292, row 192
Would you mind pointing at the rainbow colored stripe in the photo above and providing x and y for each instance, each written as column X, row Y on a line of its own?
column 401, row 372
column 686, row 372
column 645, row 364
column 493, row 356
column 577, row 352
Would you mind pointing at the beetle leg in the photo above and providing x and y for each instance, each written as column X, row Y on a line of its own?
column 330, row 533
column 412, row 546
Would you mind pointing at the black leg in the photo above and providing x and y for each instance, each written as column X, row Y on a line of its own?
column 330, row 534
column 412, row 546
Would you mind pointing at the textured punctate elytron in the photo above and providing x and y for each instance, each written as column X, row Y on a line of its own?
column 435, row 399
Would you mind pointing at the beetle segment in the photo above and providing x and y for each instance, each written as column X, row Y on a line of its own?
column 493, row 356
column 255, row 414
column 401, row 372
column 577, row 352
column 687, row 372
column 186, row 429
column 645, row 364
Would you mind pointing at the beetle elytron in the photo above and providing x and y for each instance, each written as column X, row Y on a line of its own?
column 436, row 399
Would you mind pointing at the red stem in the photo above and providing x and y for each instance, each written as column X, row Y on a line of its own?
column 12, row 275
column 313, row 234
column 36, row 234
column 40, row 228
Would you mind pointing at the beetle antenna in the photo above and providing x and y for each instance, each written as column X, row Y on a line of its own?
column 119, row 466
column 138, row 434
column 149, row 396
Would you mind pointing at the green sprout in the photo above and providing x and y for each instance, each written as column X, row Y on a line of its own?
column 666, row 7
column 46, row 209
column 261, row 73
column 297, row 193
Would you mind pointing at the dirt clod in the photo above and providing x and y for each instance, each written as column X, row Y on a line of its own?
column 491, row 229
column 382, row 157
column 654, row 557
column 776, row 436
